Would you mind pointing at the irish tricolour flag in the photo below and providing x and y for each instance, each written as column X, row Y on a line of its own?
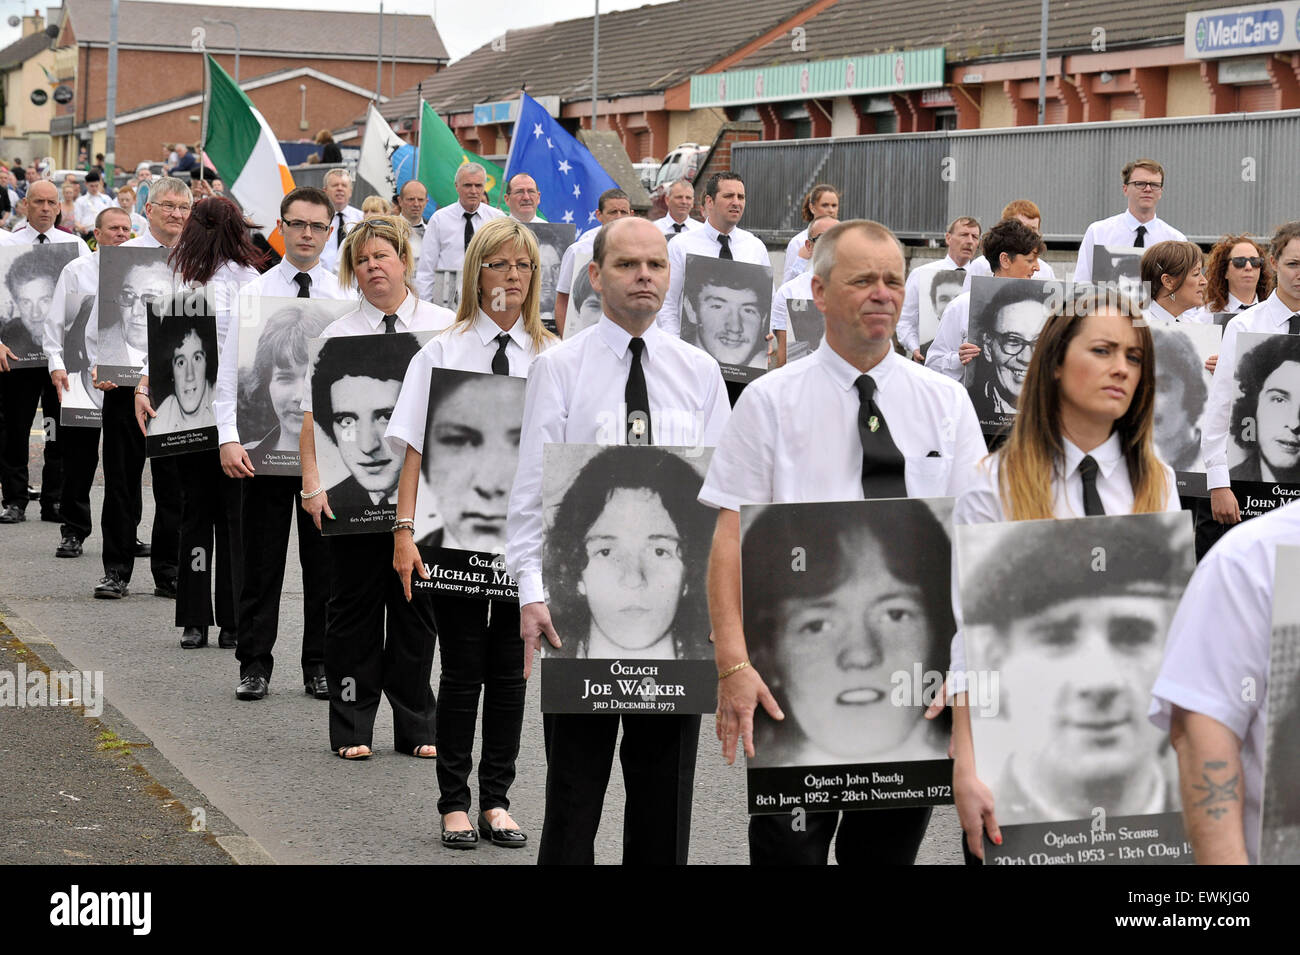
column 246, row 154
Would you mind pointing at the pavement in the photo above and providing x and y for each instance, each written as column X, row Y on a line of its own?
column 204, row 778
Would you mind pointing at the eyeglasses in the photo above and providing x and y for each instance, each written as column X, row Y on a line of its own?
column 173, row 208
column 306, row 225
column 504, row 267
column 128, row 297
column 1241, row 261
column 1012, row 344
column 1145, row 185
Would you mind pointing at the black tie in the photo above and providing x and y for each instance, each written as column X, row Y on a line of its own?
column 1242, row 307
column 469, row 227
column 390, row 324
column 304, row 284
column 1293, row 324
column 636, row 398
column 1142, row 237
column 960, row 268
column 42, row 238
column 679, row 226
column 338, row 241
column 882, row 462
column 725, row 242
column 500, row 363
column 1091, row 499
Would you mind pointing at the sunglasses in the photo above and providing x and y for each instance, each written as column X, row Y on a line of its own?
column 1241, row 261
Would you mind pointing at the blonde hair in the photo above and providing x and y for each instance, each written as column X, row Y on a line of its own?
column 487, row 242
column 375, row 205
column 394, row 230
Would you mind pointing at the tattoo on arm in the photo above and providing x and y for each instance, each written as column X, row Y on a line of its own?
column 1216, row 793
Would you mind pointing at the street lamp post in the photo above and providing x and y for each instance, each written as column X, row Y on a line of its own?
column 213, row 21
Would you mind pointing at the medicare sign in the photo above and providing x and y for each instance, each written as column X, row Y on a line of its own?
column 1238, row 31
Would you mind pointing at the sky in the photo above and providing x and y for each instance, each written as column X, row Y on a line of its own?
column 464, row 26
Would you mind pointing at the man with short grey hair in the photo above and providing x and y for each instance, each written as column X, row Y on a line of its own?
column 450, row 228
column 522, row 197
column 338, row 186
column 680, row 200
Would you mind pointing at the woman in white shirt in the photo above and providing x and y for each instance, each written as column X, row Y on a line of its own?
column 1175, row 273
column 498, row 331
column 1238, row 273
column 822, row 200
column 1087, row 402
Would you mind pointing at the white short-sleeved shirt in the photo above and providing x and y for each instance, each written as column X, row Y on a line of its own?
column 954, row 326
column 413, row 315
column 745, row 247
column 443, row 245
column 1159, row 315
column 909, row 319
column 1120, row 230
column 772, row 453
column 1268, row 317
column 277, row 281
column 464, row 348
column 79, row 278
column 1221, row 637
column 980, row 266
column 799, row 287
column 87, row 207
column 575, row 396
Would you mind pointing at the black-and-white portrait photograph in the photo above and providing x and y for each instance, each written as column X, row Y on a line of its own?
column 30, row 272
column 355, row 381
column 1182, row 386
column 1279, row 842
column 552, row 239
column 183, row 358
column 940, row 287
column 128, row 279
column 1264, row 423
column 725, row 310
column 471, row 451
column 83, row 403
column 844, row 603
column 805, row 328
column 1120, row 266
column 272, row 378
column 446, row 288
column 584, row 303
column 1006, row 318
column 1072, row 616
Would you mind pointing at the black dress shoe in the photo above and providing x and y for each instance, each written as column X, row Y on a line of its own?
column 459, row 839
column 252, row 687
column 508, row 838
column 194, row 637
column 166, row 588
column 141, row 548
column 13, row 514
column 111, row 587
column 226, row 639
column 51, row 514
column 317, row 686
column 68, row 547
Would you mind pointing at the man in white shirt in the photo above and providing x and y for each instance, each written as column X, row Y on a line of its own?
column 522, row 197
column 1012, row 247
column 88, row 206
column 798, row 288
column 451, row 227
column 1218, row 647
column 338, row 186
column 80, row 446
column 962, row 239
column 852, row 387
column 411, row 199
column 720, row 237
column 1028, row 213
column 680, row 200
column 1144, row 183
column 587, row 391
column 22, row 388
column 612, row 204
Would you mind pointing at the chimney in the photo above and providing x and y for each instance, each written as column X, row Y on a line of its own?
column 33, row 24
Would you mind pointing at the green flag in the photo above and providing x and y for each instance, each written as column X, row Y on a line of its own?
column 441, row 154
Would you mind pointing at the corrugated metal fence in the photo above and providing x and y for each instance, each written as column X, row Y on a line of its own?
column 1231, row 173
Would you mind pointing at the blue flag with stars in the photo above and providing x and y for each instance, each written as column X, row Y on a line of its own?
column 567, row 174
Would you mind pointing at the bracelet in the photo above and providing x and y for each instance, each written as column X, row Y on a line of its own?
column 723, row 674
column 142, row 390
column 405, row 524
column 307, row 496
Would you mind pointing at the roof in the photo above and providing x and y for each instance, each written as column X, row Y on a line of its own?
column 262, row 30
column 974, row 31
column 20, row 51
column 648, row 49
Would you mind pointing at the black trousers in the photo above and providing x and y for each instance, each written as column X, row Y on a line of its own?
column 21, row 390
column 268, row 506
column 1208, row 530
column 80, row 448
column 209, row 507
column 377, row 642
column 123, row 503
column 480, row 649
column 658, row 759
column 864, row 837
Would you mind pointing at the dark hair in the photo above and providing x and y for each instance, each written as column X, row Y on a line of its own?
column 1252, row 371
column 30, row 266
column 677, row 485
column 711, row 187
column 581, row 289
column 609, row 195
column 1012, row 237
column 747, row 279
column 310, row 194
column 1282, row 238
column 941, row 278
column 282, row 344
column 384, row 358
column 93, row 176
column 1012, row 293
column 1175, row 355
column 174, row 329
column 214, row 234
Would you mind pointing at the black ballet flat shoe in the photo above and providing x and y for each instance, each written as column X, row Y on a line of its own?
column 459, row 839
column 506, row 838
